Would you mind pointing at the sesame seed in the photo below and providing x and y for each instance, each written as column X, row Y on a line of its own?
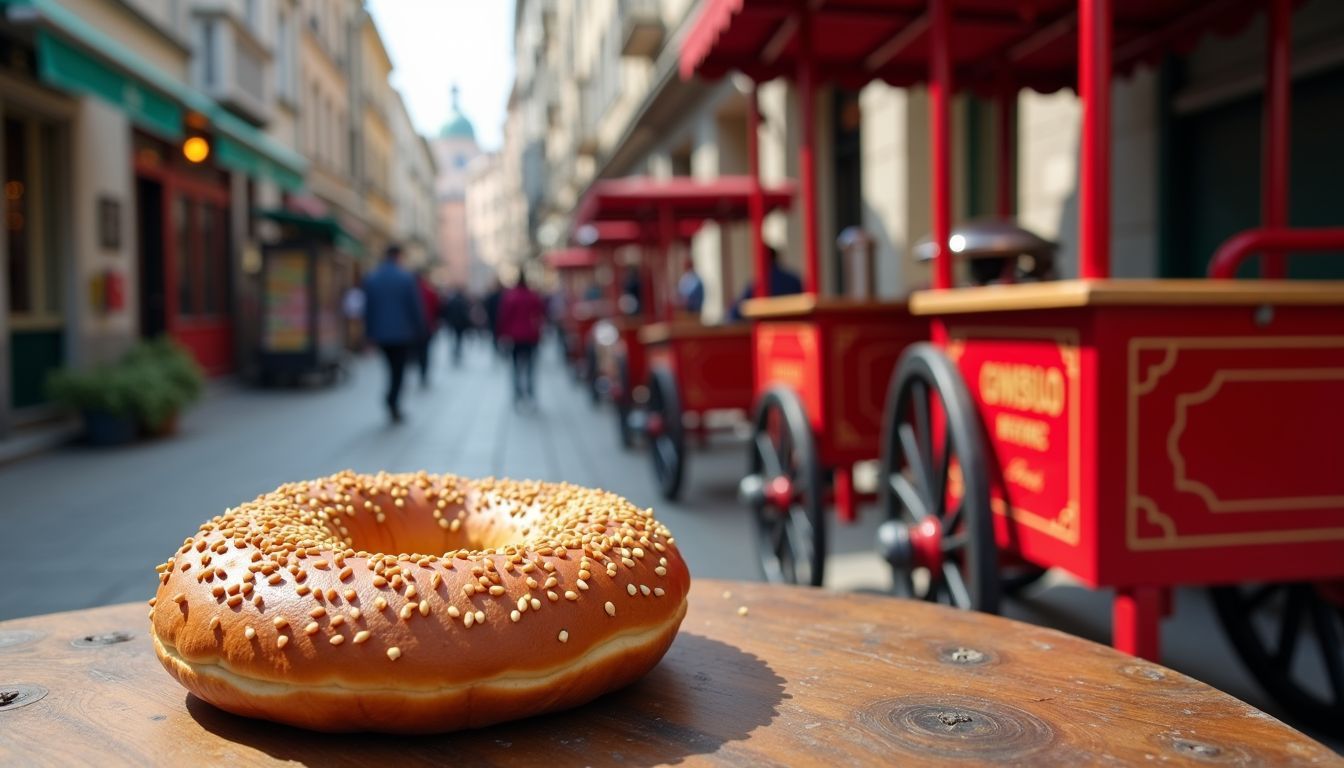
column 379, row 603
column 394, row 653
column 480, row 617
column 515, row 615
column 279, row 621
column 235, row 601
column 658, row 592
column 407, row 610
column 311, row 629
column 497, row 590
column 563, row 636
column 249, row 633
column 318, row 612
column 424, row 608
column 337, row 621
column 742, row 610
column 214, row 623
column 336, row 639
column 453, row 612
column 632, row 589
column 611, row 608
column 552, row 596
column 282, row 641
column 660, row 570
column 361, row 636
column 645, row 589
column 469, row 619
column 571, row 595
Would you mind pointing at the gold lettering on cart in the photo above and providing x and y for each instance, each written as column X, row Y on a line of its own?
column 1019, row 472
column 1022, row 387
column 1023, row 431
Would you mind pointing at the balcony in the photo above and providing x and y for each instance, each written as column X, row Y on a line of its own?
column 642, row 28
column 233, row 67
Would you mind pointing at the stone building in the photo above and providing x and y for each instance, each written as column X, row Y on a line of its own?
column 454, row 150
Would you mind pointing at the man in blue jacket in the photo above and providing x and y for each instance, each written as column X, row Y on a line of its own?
column 782, row 282
column 394, row 319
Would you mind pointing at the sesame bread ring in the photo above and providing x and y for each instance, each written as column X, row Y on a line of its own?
column 306, row 607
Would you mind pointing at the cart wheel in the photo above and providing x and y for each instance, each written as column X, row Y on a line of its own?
column 939, row 536
column 624, row 401
column 1291, row 638
column 784, row 490
column 591, row 374
column 667, row 437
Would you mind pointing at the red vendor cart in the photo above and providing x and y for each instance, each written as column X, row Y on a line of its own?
column 690, row 369
column 575, row 270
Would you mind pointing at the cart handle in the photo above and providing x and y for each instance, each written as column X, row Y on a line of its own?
column 1243, row 245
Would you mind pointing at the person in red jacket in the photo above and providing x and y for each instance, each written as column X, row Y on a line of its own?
column 521, row 315
column 429, row 297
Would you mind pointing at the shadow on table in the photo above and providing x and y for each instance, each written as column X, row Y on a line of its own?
column 677, row 711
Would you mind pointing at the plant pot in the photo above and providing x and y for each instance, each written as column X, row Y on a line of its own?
column 166, row 429
column 106, row 429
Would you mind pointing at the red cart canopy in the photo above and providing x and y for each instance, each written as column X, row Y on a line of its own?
column 1022, row 43
column 642, row 199
column 614, row 234
column 570, row 258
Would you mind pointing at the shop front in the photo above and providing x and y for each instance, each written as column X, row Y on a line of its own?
column 182, row 227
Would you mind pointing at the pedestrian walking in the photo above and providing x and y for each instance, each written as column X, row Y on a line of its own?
column 522, row 312
column 781, row 280
column 394, row 320
column 457, row 316
column 430, row 298
column 691, row 289
column 491, row 305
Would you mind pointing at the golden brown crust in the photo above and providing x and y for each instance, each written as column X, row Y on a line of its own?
column 290, row 589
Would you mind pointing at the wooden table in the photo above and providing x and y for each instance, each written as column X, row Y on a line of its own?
column 799, row 677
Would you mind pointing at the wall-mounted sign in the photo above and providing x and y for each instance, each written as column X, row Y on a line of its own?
column 109, row 223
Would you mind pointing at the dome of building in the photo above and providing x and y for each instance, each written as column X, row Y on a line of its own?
column 458, row 126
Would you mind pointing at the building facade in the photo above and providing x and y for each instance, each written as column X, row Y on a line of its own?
column 455, row 149
column 139, row 142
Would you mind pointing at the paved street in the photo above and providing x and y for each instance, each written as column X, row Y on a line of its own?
column 118, row 513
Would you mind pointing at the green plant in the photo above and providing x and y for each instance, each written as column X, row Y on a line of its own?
column 152, row 383
column 105, row 389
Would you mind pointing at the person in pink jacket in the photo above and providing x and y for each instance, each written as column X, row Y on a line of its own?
column 522, row 312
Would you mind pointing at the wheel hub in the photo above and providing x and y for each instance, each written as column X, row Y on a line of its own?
column 907, row 546
column 654, row 425
column 779, row 492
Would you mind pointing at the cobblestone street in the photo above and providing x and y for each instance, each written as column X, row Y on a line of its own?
column 118, row 513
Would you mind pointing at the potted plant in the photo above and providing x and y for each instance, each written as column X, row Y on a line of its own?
column 103, row 397
column 145, row 391
column 169, row 380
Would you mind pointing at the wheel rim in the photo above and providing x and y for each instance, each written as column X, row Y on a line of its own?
column 1291, row 638
column 789, row 524
column 939, row 540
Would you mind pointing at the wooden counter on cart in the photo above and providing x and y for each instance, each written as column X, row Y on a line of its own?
column 760, row 675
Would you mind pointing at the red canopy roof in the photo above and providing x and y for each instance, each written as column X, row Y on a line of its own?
column 1034, row 42
column 570, row 258
column 614, row 234
column 642, row 199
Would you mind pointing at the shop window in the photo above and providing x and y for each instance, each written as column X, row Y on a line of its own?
column 34, row 283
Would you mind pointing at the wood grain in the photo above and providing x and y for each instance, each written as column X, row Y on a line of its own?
column 804, row 677
column 1057, row 294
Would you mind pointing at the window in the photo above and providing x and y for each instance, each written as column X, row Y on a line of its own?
column 200, row 258
column 34, row 276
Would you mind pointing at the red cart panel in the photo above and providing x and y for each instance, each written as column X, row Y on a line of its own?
column 712, row 364
column 837, row 355
column 1161, row 433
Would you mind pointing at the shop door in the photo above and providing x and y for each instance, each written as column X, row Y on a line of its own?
column 196, row 272
column 153, row 292
column 34, row 275
column 1215, row 177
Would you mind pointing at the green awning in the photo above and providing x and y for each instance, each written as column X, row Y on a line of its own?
column 76, row 56
column 244, row 148
column 324, row 227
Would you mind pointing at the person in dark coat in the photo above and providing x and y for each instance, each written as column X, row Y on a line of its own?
column 394, row 320
column 430, row 298
column 782, row 283
column 491, row 305
column 457, row 316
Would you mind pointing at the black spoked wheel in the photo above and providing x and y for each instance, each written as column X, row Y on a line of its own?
column 591, row 374
column 939, row 535
column 1291, row 638
column 624, row 401
column 667, row 436
column 784, row 490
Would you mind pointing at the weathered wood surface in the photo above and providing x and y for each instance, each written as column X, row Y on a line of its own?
column 804, row 677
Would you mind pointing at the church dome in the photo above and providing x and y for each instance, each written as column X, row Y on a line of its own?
column 458, row 126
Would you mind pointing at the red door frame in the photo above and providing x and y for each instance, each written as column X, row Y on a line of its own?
column 210, row 338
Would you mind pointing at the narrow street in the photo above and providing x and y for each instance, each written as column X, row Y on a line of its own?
column 85, row 527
